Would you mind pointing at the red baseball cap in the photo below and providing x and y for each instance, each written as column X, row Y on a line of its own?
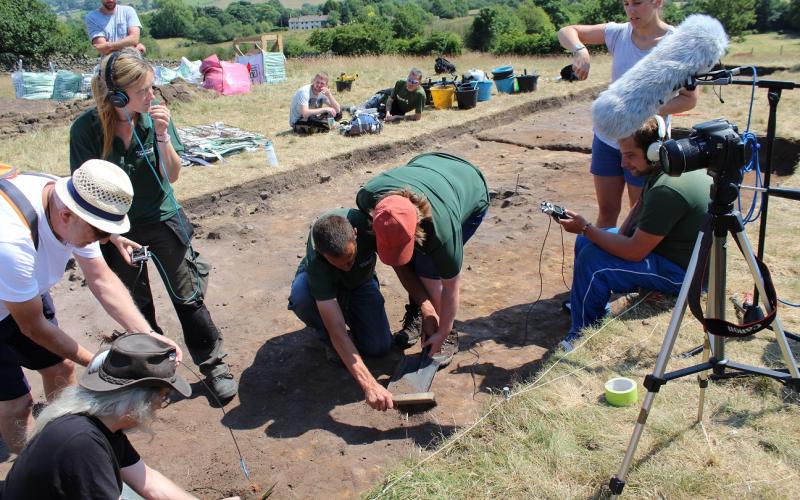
column 394, row 221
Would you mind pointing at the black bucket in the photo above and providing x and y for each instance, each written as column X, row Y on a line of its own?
column 467, row 99
column 342, row 85
column 527, row 83
column 426, row 86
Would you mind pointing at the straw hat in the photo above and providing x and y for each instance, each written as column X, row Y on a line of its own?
column 100, row 193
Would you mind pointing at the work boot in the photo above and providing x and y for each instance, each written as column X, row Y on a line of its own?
column 412, row 327
column 449, row 348
column 221, row 382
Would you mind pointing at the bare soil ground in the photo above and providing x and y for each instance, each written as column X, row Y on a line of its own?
column 301, row 422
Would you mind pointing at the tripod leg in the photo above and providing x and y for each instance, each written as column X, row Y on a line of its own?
column 656, row 379
column 702, row 379
column 777, row 327
column 716, row 295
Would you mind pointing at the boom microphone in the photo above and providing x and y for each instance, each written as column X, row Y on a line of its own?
column 695, row 47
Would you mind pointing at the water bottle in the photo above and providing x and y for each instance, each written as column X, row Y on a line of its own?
column 272, row 159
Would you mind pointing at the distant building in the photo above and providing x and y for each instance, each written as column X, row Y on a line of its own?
column 307, row 22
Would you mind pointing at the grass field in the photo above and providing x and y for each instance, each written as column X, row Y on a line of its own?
column 766, row 49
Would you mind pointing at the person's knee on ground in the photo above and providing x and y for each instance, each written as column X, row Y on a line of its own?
column 57, row 377
column 15, row 420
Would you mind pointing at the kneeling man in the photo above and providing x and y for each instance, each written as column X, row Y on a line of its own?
column 336, row 287
column 653, row 246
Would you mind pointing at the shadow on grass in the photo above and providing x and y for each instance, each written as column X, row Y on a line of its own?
column 292, row 389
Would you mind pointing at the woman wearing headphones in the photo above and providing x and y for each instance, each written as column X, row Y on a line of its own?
column 627, row 43
column 127, row 129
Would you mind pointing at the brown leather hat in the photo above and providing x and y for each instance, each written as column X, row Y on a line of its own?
column 135, row 359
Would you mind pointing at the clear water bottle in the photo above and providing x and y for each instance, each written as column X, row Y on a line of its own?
column 272, row 158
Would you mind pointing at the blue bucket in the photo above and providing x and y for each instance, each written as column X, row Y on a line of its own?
column 484, row 90
column 506, row 85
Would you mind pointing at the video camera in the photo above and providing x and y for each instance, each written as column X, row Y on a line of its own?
column 714, row 145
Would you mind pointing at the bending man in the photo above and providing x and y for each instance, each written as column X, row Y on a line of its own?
column 422, row 215
column 46, row 221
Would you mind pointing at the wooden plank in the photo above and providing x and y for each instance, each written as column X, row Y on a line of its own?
column 414, row 399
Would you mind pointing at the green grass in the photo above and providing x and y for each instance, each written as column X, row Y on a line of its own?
column 459, row 25
column 766, row 49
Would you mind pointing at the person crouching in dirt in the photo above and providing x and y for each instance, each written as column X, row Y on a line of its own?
column 650, row 250
column 46, row 221
column 79, row 448
column 422, row 215
column 127, row 130
column 336, row 287
column 313, row 106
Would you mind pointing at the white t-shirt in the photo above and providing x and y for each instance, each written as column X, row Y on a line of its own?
column 113, row 27
column 24, row 271
column 304, row 96
column 625, row 54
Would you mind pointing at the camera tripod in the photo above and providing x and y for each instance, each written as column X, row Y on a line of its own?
column 710, row 253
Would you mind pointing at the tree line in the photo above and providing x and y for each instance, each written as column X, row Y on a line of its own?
column 31, row 29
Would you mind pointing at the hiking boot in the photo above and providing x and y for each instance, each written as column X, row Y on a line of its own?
column 568, row 344
column 221, row 382
column 449, row 348
column 412, row 327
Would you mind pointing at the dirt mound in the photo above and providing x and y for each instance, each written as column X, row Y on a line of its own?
column 20, row 116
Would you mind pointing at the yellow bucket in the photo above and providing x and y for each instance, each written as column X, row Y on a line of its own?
column 443, row 96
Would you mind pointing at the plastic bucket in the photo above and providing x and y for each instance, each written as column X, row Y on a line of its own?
column 470, row 85
column 442, row 96
column 342, row 85
column 502, row 72
column 467, row 99
column 484, row 90
column 527, row 83
column 505, row 85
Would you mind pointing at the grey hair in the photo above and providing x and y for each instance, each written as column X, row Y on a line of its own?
column 136, row 403
column 416, row 72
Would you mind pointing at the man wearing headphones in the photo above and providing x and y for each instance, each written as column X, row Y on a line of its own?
column 128, row 129
column 653, row 246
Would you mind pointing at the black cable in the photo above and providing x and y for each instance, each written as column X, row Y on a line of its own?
column 541, row 283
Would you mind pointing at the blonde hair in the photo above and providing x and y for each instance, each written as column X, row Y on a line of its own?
column 424, row 212
column 129, row 69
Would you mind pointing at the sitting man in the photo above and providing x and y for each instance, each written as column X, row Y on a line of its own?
column 79, row 448
column 113, row 27
column 407, row 95
column 336, row 287
column 313, row 106
column 46, row 221
column 653, row 246
column 423, row 213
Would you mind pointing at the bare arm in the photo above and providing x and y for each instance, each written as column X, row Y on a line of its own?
column 633, row 248
column 31, row 321
column 332, row 100
column 684, row 101
column 161, row 117
column 581, row 34
column 115, row 299
column 375, row 394
column 309, row 112
column 105, row 47
column 448, row 308
column 151, row 484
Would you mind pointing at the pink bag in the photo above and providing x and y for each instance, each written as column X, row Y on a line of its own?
column 212, row 73
column 235, row 78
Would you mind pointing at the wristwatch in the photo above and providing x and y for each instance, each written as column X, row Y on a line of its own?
column 578, row 47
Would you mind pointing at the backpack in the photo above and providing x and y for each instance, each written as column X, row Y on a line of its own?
column 362, row 124
column 444, row 66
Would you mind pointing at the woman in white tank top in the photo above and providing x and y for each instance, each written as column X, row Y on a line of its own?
column 627, row 43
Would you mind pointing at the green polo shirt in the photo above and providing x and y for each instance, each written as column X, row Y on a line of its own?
column 674, row 207
column 329, row 282
column 151, row 200
column 455, row 189
column 407, row 101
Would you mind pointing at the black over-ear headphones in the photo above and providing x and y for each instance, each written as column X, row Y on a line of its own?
column 652, row 149
column 117, row 97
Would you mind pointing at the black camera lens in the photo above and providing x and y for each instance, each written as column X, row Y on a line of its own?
column 683, row 155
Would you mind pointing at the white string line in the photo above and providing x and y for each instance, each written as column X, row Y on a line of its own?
column 528, row 388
